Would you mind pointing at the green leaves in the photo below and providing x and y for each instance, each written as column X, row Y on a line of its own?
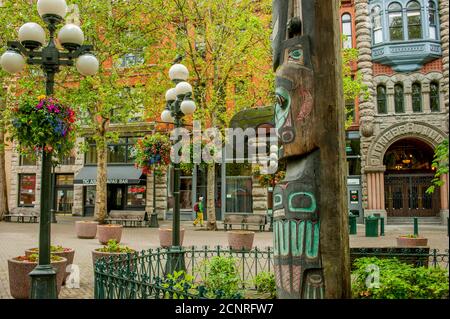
column 265, row 283
column 440, row 164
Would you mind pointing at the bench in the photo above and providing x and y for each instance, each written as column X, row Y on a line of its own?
column 22, row 218
column 127, row 218
column 245, row 220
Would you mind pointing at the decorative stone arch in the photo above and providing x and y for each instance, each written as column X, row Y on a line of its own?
column 419, row 130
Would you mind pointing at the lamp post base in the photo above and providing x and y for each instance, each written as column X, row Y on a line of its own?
column 175, row 260
column 53, row 213
column 43, row 282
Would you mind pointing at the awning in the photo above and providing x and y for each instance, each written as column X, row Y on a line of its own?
column 124, row 174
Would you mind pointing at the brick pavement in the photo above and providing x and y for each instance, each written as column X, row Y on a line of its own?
column 15, row 238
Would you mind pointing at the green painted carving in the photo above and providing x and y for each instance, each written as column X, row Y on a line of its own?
column 297, row 241
column 278, row 199
column 312, row 248
column 284, row 247
column 310, row 209
column 282, row 106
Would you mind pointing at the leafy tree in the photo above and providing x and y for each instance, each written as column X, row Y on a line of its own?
column 226, row 46
column 440, row 163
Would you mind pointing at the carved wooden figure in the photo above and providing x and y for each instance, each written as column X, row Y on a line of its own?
column 299, row 120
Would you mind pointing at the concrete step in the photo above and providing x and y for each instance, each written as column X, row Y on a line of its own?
column 184, row 216
column 410, row 221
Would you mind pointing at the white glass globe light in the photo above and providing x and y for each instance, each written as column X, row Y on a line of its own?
column 273, row 156
column 171, row 95
column 273, row 148
column 31, row 35
column 166, row 116
column 12, row 62
column 56, row 7
column 71, row 36
column 187, row 107
column 87, row 64
column 183, row 88
column 273, row 166
column 178, row 72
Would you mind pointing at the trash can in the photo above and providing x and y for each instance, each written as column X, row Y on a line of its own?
column 372, row 226
column 352, row 224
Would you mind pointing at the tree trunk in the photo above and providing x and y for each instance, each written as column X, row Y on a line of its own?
column 100, row 190
column 210, row 204
column 3, row 190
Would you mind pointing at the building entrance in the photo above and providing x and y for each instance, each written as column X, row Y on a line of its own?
column 408, row 175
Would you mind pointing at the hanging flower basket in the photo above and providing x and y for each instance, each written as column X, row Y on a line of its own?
column 44, row 124
column 153, row 153
column 268, row 180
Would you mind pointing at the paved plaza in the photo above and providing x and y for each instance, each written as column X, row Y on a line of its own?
column 15, row 238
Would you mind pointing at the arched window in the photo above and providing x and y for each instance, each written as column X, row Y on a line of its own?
column 347, row 30
column 434, row 96
column 414, row 20
column 416, row 97
column 399, row 99
column 432, row 17
column 377, row 25
column 381, row 99
column 395, row 22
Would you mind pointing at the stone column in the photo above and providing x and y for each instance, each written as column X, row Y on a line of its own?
column 366, row 106
column 444, row 199
column 426, row 98
column 408, row 98
column 259, row 196
column 375, row 192
column 390, row 100
column 161, row 195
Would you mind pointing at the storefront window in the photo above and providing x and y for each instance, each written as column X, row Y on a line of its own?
column 239, row 194
column 64, row 193
column 27, row 189
column 186, row 192
column 136, row 195
column 89, row 198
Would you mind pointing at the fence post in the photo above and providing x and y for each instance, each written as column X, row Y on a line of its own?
column 416, row 226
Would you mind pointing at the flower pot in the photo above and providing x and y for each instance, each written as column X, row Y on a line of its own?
column 411, row 242
column 165, row 237
column 20, row 281
column 107, row 232
column 96, row 255
column 68, row 253
column 86, row 229
column 240, row 240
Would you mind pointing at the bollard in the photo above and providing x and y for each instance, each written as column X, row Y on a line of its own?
column 416, row 226
column 382, row 226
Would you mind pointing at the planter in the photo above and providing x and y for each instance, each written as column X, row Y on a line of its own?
column 107, row 232
column 96, row 255
column 240, row 240
column 20, row 281
column 68, row 253
column 165, row 237
column 411, row 242
column 86, row 229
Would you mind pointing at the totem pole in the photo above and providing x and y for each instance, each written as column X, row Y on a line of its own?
column 309, row 210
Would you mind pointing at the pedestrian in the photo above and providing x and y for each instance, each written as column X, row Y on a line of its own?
column 199, row 209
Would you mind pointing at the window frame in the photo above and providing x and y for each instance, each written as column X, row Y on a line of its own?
column 397, row 98
column 377, row 13
column 435, row 96
column 349, row 37
column 416, row 97
column 409, row 11
column 384, row 99
column 396, row 11
column 19, row 197
column 434, row 12
column 127, row 145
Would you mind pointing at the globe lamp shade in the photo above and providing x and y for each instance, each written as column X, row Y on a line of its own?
column 31, row 35
column 171, row 95
column 178, row 72
column 183, row 88
column 187, row 107
column 52, row 7
column 71, row 36
column 12, row 62
column 166, row 116
column 87, row 64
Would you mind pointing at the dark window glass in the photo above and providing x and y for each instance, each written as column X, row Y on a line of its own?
column 399, row 99
column 186, row 192
column 414, row 20
column 27, row 160
column 136, row 195
column 432, row 14
column 416, row 97
column 68, row 161
column 120, row 151
column 91, row 154
column 27, row 189
column 377, row 25
column 117, row 152
column 434, row 97
column 395, row 22
column 381, row 99
column 347, row 30
column 89, row 198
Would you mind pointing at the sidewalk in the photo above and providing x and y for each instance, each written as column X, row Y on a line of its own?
column 15, row 238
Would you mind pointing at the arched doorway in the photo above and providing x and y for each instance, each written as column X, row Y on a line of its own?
column 408, row 175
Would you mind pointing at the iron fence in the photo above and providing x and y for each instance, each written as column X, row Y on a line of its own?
column 143, row 275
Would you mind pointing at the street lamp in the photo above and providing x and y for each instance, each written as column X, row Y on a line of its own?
column 31, row 39
column 179, row 103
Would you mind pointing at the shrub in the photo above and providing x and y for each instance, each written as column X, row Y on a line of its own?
column 221, row 277
column 180, row 283
column 113, row 247
column 33, row 258
column 265, row 283
column 398, row 280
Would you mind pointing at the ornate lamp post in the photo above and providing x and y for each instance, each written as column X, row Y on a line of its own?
column 50, row 58
column 179, row 103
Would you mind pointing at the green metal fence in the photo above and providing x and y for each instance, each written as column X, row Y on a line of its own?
column 142, row 275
